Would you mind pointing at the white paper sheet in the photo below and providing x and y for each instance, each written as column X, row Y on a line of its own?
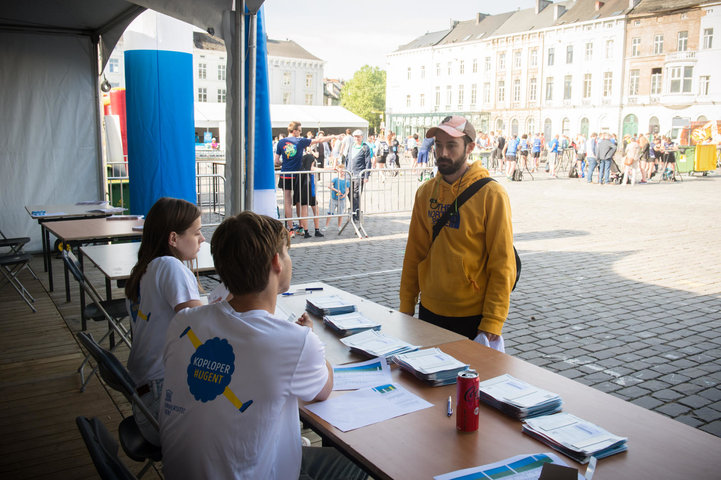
column 368, row 406
column 520, row 467
column 360, row 375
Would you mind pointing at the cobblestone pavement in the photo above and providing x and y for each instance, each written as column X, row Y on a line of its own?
column 620, row 287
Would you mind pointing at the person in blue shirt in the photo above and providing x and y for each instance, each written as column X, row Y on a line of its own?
column 289, row 156
column 553, row 148
column 510, row 151
column 338, row 193
column 535, row 152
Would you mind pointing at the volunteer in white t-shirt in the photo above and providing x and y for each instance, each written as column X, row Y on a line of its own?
column 234, row 372
column 159, row 286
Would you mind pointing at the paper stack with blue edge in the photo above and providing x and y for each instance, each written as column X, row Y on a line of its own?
column 574, row 437
column 376, row 344
column 519, row 399
column 321, row 306
column 431, row 365
column 352, row 322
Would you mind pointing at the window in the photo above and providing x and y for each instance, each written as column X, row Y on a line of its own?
column 408, row 77
column 682, row 43
column 704, row 82
column 460, row 95
column 587, row 85
column 308, row 80
column 449, row 68
column 549, row 88
column 517, row 90
column 114, row 65
column 438, row 97
column 569, row 54
column 607, row 84
column 221, row 95
column 461, row 67
column 474, row 92
column 408, row 101
column 589, row 52
column 423, row 72
column 475, row 65
column 221, row 72
column 502, row 61
column 609, row 48
column 635, row 46
column 449, row 95
column 687, row 79
column 533, row 60
column 202, row 94
column 486, row 93
column 567, row 87
column 517, row 59
column 658, row 44
column 438, row 69
column 309, row 99
column 656, row 78
column 487, row 64
column 422, row 100
column 501, row 91
column 201, row 70
column 286, row 98
column 286, row 79
column 633, row 82
column 532, row 89
column 550, row 56
column 707, row 37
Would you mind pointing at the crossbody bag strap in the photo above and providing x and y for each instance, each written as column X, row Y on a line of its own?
column 460, row 200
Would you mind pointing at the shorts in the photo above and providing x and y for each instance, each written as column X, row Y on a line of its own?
column 336, row 206
column 414, row 152
column 382, row 158
column 524, row 153
column 536, row 154
column 423, row 156
column 510, row 158
column 288, row 181
column 581, row 157
column 298, row 184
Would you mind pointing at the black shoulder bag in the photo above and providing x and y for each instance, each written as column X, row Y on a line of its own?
column 453, row 209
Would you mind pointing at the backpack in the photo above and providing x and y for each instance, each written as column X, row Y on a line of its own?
column 517, row 175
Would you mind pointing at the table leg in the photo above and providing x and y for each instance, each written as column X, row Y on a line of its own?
column 49, row 259
column 108, row 297
column 83, row 320
column 45, row 246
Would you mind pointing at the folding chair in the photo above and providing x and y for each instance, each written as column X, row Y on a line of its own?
column 10, row 265
column 16, row 245
column 117, row 377
column 112, row 311
column 103, row 449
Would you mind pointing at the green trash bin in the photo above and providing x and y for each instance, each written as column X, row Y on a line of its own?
column 684, row 160
column 119, row 193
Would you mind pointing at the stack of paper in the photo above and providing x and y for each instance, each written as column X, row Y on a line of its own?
column 574, row 437
column 353, row 322
column 518, row 399
column 328, row 305
column 431, row 365
column 376, row 344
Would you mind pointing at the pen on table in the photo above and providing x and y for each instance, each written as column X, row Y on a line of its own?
column 303, row 290
column 449, row 408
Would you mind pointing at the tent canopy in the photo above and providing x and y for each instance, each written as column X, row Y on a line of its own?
column 315, row 116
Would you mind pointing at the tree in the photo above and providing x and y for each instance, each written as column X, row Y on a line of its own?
column 365, row 95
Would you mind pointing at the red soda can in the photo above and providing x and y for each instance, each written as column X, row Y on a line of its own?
column 467, row 401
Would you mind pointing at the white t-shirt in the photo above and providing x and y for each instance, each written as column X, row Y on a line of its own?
column 230, row 397
column 167, row 282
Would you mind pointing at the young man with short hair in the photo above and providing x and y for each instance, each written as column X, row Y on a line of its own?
column 234, row 371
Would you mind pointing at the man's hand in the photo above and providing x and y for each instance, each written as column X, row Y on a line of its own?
column 304, row 321
column 490, row 340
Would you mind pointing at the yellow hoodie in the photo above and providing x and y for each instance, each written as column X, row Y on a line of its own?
column 470, row 268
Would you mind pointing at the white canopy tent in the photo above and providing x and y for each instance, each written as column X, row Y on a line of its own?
column 315, row 116
column 50, row 136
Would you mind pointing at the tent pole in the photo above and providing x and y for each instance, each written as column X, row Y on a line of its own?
column 102, row 174
column 238, row 164
column 253, row 50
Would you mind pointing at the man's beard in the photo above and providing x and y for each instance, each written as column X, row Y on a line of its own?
column 447, row 166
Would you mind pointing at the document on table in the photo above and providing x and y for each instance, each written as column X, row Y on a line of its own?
column 360, row 375
column 520, row 467
column 368, row 406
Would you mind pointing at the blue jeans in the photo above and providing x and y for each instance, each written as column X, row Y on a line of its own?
column 604, row 171
column 591, row 162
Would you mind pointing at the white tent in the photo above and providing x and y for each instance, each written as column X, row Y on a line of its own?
column 315, row 116
column 50, row 135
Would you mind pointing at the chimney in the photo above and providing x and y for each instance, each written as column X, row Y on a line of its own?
column 632, row 4
column 558, row 10
column 479, row 17
column 599, row 4
column 454, row 23
column 541, row 4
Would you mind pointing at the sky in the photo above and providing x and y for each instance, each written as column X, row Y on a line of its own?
column 348, row 35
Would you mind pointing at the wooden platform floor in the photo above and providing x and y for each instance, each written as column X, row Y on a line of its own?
column 40, row 386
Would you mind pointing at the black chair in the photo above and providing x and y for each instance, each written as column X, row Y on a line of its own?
column 98, row 310
column 117, row 377
column 103, row 449
column 10, row 265
column 16, row 245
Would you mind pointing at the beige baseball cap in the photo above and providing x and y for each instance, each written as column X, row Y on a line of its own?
column 455, row 126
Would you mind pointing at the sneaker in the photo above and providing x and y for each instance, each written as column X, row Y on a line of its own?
column 340, row 229
column 299, row 231
column 306, row 234
column 291, row 233
column 318, row 234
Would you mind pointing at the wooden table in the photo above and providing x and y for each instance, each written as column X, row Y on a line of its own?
column 425, row 443
column 116, row 260
column 60, row 213
column 393, row 323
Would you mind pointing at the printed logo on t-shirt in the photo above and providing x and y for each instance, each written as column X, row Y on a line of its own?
column 211, row 369
column 136, row 313
column 289, row 150
column 436, row 210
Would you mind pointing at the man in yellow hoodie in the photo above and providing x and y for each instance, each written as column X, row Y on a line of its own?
column 466, row 275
